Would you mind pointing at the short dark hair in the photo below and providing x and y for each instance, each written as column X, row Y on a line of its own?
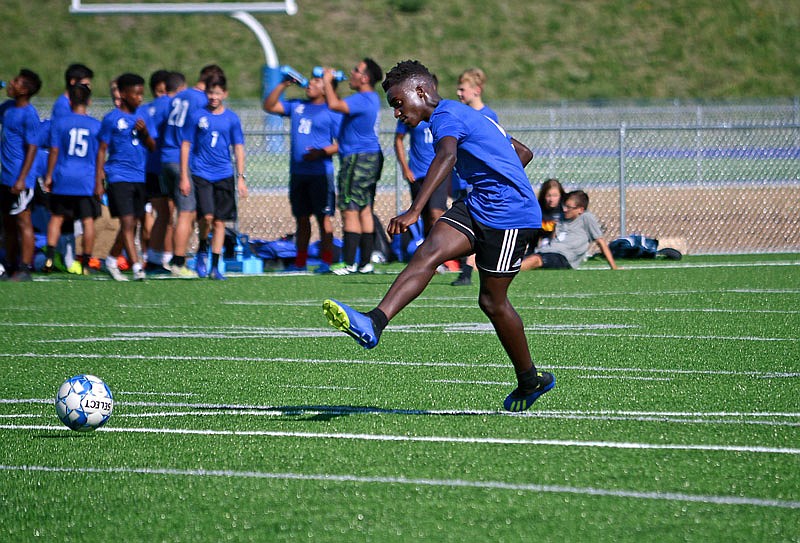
column 216, row 81
column 210, row 70
column 32, row 81
column 127, row 80
column 373, row 71
column 407, row 69
column 159, row 76
column 174, row 81
column 580, row 198
column 77, row 72
column 79, row 94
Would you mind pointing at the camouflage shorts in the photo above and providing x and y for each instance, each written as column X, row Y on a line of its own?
column 358, row 177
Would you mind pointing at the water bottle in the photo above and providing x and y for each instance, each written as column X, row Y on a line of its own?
column 238, row 250
column 338, row 75
column 290, row 73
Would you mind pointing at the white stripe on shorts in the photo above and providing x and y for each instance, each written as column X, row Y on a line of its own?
column 507, row 249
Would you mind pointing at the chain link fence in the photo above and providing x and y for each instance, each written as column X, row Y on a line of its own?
column 703, row 178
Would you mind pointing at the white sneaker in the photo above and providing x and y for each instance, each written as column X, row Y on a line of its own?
column 182, row 272
column 114, row 272
column 139, row 275
column 366, row 268
column 345, row 270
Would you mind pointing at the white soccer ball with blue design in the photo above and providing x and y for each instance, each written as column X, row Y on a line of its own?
column 84, row 403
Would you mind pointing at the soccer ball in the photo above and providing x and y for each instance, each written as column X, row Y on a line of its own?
column 84, row 403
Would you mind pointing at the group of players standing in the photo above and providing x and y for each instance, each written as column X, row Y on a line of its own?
column 172, row 155
column 173, row 152
column 323, row 125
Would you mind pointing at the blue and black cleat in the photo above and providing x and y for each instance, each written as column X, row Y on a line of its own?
column 346, row 319
column 519, row 401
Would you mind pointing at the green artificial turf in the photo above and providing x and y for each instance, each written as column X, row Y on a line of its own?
column 240, row 415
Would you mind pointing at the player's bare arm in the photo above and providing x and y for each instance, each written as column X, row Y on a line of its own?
column 440, row 168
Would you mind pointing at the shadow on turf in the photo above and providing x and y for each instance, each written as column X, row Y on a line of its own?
column 63, row 434
column 322, row 413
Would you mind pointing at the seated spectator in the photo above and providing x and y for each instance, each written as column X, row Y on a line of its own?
column 568, row 247
column 551, row 199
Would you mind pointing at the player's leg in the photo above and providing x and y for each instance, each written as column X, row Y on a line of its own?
column 204, row 194
column 27, row 242
column 451, row 237
column 53, row 233
column 443, row 243
column 493, row 301
column 498, row 257
column 367, row 242
column 300, row 199
column 88, row 240
column 11, row 237
column 531, row 262
column 224, row 210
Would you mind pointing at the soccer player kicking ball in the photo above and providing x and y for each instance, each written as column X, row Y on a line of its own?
column 496, row 220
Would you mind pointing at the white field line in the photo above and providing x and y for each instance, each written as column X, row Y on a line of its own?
column 442, row 483
column 281, row 360
column 208, row 409
column 600, row 369
column 752, row 449
column 150, row 333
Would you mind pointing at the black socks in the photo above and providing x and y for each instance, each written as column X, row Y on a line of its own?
column 379, row 320
column 351, row 242
column 528, row 380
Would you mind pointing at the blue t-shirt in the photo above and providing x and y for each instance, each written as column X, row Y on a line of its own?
column 180, row 107
column 75, row 137
column 499, row 193
column 211, row 137
column 126, row 155
column 39, row 167
column 458, row 184
column 61, row 107
column 314, row 126
column 153, row 164
column 359, row 130
column 420, row 147
column 20, row 129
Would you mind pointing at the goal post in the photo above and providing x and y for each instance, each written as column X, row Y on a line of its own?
column 241, row 11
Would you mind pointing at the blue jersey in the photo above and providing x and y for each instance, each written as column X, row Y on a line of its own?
column 20, row 129
column 420, row 147
column 153, row 164
column 499, row 193
column 39, row 167
column 126, row 154
column 458, row 184
column 61, row 107
column 181, row 106
column 75, row 137
column 359, row 130
column 314, row 126
column 211, row 137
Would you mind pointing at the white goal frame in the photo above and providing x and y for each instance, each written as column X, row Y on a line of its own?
column 241, row 11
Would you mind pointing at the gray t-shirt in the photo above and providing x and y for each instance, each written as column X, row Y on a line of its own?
column 572, row 238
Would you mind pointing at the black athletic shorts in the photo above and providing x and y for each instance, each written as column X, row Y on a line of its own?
column 217, row 199
column 14, row 204
column 438, row 199
column 154, row 187
column 126, row 198
column 171, row 181
column 497, row 252
column 312, row 195
column 76, row 207
column 554, row 261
